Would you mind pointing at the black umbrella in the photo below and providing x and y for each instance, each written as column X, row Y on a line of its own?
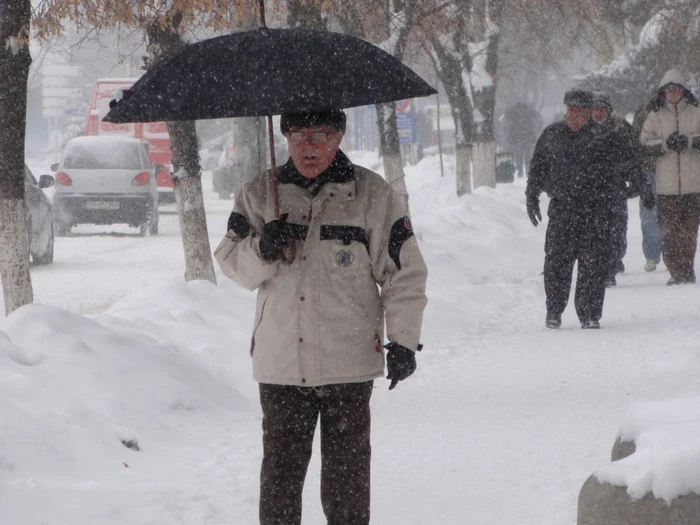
column 267, row 72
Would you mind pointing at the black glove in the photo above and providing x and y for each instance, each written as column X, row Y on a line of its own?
column 676, row 142
column 273, row 238
column 400, row 363
column 533, row 210
column 648, row 200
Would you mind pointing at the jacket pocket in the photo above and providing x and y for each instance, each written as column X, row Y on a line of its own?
column 347, row 259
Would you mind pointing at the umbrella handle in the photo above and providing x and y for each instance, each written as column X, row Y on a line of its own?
column 289, row 258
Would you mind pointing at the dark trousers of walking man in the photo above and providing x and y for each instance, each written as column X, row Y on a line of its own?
column 577, row 235
column 290, row 415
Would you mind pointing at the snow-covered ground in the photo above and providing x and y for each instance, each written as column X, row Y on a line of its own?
column 501, row 424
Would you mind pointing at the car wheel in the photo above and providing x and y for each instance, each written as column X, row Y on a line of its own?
column 47, row 256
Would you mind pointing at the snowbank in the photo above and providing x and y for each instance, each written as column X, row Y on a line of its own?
column 75, row 389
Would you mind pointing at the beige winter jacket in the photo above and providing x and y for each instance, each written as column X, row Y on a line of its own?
column 676, row 173
column 321, row 319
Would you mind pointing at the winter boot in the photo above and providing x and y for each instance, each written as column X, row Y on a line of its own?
column 650, row 265
column 553, row 321
column 590, row 325
column 673, row 281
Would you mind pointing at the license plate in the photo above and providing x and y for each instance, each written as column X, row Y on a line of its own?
column 102, row 205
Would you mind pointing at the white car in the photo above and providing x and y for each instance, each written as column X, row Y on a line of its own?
column 106, row 180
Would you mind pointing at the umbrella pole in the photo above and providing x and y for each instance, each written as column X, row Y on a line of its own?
column 287, row 259
column 262, row 13
column 273, row 167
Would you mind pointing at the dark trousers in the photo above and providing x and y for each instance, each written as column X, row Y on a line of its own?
column 618, row 236
column 583, row 236
column 680, row 219
column 290, row 414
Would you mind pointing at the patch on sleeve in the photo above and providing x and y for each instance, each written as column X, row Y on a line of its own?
column 401, row 231
column 239, row 225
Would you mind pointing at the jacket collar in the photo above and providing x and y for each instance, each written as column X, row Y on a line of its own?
column 340, row 171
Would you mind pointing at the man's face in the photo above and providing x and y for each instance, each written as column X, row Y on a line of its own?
column 577, row 117
column 313, row 149
column 674, row 94
column 600, row 113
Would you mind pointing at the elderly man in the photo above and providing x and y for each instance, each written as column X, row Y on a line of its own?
column 317, row 342
column 573, row 164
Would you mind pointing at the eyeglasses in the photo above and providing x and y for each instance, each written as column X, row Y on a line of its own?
column 319, row 137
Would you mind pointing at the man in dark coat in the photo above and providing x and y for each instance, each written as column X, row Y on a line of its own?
column 576, row 163
column 602, row 112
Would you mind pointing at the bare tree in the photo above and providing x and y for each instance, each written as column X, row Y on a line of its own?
column 15, row 61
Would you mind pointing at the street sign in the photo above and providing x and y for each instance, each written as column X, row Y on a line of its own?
column 61, row 70
column 402, row 105
column 54, row 102
column 62, row 92
column 53, row 112
column 407, row 129
column 54, row 81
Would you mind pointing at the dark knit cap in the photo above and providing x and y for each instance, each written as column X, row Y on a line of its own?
column 601, row 100
column 578, row 98
column 334, row 118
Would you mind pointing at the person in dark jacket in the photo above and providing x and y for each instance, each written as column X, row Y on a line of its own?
column 650, row 219
column 602, row 112
column 578, row 163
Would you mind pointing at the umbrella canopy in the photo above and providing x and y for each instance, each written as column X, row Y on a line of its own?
column 267, row 72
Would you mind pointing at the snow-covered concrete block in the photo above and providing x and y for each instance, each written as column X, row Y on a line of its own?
column 654, row 476
column 622, row 449
column 605, row 504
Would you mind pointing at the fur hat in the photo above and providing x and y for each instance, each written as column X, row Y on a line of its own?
column 334, row 118
column 578, row 98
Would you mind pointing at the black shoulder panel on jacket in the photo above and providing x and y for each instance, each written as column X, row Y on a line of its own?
column 238, row 224
column 401, row 231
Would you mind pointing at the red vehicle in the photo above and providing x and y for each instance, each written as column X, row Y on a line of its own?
column 154, row 133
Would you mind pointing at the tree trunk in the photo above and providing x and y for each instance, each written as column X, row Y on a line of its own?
column 190, row 202
column 390, row 150
column 250, row 152
column 484, row 164
column 462, row 171
column 15, row 60
column 163, row 41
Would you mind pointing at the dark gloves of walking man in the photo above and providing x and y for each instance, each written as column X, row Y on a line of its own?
column 677, row 142
column 533, row 210
column 274, row 238
column 400, row 363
